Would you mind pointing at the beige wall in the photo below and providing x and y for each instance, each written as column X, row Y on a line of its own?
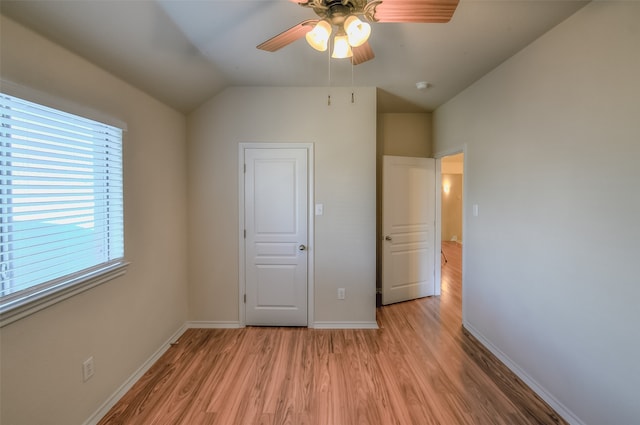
column 405, row 134
column 344, row 135
column 123, row 322
column 551, row 278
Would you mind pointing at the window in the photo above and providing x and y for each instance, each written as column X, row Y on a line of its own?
column 61, row 204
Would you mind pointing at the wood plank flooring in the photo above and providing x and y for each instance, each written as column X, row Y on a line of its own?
column 420, row 368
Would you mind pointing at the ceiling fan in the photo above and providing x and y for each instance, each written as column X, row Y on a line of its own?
column 351, row 35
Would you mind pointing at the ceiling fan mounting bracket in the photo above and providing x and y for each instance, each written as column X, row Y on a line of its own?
column 336, row 11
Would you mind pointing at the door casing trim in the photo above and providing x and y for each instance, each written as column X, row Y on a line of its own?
column 242, row 146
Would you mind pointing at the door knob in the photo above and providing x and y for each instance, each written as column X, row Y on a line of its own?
column 387, row 238
column 302, row 247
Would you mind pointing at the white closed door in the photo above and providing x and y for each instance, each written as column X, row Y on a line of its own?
column 276, row 254
column 408, row 226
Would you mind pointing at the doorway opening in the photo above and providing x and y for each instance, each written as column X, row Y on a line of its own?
column 451, row 223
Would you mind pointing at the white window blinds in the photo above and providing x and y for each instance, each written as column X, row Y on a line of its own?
column 61, row 203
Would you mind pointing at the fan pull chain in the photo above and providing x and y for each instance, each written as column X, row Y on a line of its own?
column 329, row 77
column 353, row 98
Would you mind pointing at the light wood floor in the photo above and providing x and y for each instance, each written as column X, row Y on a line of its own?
column 419, row 368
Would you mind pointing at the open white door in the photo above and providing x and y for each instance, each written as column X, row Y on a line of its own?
column 408, row 226
column 276, row 255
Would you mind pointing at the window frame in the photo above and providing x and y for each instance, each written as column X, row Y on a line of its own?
column 38, row 297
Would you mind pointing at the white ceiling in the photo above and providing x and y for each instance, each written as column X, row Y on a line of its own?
column 185, row 51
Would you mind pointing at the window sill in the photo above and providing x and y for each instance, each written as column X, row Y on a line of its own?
column 23, row 307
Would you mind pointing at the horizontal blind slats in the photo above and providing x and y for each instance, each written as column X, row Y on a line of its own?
column 26, row 174
column 22, row 108
column 44, row 142
column 34, row 247
column 61, row 196
column 60, row 132
column 47, row 191
column 100, row 208
column 36, row 150
column 35, row 230
column 66, row 217
column 60, row 162
column 35, row 288
column 48, row 138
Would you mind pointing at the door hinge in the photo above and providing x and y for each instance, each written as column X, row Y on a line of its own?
column 245, row 168
column 245, row 233
column 245, row 298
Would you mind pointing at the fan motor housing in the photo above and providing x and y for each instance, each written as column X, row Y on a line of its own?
column 336, row 11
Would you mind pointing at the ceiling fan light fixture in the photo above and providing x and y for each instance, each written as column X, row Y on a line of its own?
column 357, row 31
column 341, row 47
column 318, row 37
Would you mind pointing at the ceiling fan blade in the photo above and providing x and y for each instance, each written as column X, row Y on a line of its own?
column 362, row 54
column 289, row 36
column 424, row 11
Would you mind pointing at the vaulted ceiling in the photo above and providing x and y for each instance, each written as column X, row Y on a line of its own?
column 183, row 52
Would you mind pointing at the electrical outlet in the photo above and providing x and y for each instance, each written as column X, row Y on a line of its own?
column 341, row 293
column 88, row 369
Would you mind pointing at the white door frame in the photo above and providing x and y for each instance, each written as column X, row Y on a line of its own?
column 310, row 224
column 438, row 156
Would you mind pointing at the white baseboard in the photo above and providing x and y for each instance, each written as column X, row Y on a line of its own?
column 214, row 325
column 344, row 325
column 126, row 386
column 316, row 325
column 560, row 408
